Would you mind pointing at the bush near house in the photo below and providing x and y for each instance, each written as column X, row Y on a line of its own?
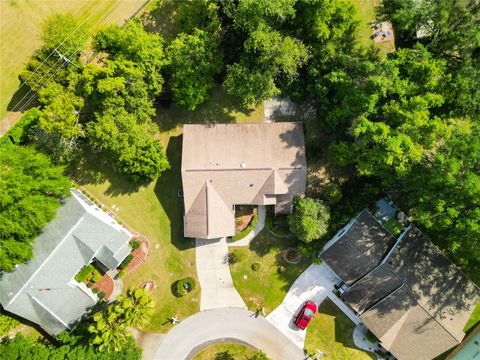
column 88, row 273
column 241, row 234
column 7, row 323
column 125, row 262
column 134, row 244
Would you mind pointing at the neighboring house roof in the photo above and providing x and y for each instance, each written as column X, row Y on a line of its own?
column 44, row 290
column 239, row 164
column 359, row 249
column 414, row 299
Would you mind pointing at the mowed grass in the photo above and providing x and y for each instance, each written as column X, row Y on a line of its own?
column 225, row 351
column 331, row 332
column 20, row 30
column 474, row 319
column 156, row 211
column 267, row 286
column 366, row 14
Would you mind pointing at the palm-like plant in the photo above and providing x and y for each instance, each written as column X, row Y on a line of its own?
column 109, row 328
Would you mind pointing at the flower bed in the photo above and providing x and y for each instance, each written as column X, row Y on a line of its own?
column 240, row 235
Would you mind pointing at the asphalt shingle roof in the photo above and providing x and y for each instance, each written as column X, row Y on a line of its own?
column 44, row 290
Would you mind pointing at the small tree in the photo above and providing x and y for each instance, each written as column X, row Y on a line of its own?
column 309, row 219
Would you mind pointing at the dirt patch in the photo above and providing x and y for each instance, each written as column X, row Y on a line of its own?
column 149, row 285
column 243, row 216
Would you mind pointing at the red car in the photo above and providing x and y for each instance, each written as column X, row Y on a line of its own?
column 305, row 315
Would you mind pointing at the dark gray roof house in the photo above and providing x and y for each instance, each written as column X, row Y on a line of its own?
column 407, row 292
column 44, row 290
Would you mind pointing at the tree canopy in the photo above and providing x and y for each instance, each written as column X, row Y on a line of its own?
column 309, row 220
column 31, row 189
column 194, row 60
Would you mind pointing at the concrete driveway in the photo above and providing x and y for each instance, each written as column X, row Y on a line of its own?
column 234, row 324
column 316, row 283
column 214, row 275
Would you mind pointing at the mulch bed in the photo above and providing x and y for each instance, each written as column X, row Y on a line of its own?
column 140, row 254
column 106, row 285
column 244, row 220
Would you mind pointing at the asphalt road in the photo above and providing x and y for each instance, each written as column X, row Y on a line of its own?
column 229, row 324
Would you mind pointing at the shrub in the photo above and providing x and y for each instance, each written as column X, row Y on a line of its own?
column 88, row 273
column 89, row 285
column 331, row 194
column 125, row 262
column 247, row 230
column 179, row 286
column 101, row 295
column 20, row 132
column 95, row 290
column 234, row 257
column 121, row 274
column 134, row 244
column 7, row 323
column 370, row 337
column 256, row 266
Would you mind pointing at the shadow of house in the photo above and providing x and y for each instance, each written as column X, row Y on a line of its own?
column 166, row 190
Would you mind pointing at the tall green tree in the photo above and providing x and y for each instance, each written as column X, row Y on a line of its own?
column 60, row 33
column 131, row 42
column 109, row 327
column 194, row 60
column 130, row 145
column 401, row 129
column 23, row 348
column 443, row 195
column 31, row 189
column 61, row 111
column 309, row 220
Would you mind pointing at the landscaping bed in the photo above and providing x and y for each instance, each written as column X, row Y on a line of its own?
column 243, row 216
column 247, row 230
column 225, row 351
column 277, row 224
column 249, row 279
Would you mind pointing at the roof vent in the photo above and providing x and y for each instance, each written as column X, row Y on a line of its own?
column 243, row 165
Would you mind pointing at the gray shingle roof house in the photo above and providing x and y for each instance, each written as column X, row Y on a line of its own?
column 239, row 164
column 44, row 290
column 412, row 297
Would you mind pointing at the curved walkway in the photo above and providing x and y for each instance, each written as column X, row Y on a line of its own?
column 262, row 215
column 207, row 327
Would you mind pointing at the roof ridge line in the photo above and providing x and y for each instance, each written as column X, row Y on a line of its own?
column 45, row 260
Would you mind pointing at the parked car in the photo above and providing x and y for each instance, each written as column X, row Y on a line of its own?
column 305, row 314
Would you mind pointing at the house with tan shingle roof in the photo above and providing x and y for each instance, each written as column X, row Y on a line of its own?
column 224, row 165
column 405, row 290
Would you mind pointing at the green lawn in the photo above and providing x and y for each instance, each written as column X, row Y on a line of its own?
column 20, row 26
column 225, row 351
column 265, row 249
column 331, row 332
column 474, row 318
column 366, row 14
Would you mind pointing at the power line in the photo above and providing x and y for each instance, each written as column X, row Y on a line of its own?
column 43, row 62
column 53, row 66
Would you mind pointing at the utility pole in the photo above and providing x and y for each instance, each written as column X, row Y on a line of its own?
column 64, row 58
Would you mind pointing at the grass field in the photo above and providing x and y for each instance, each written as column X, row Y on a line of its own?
column 267, row 250
column 20, row 27
column 331, row 332
column 366, row 14
column 225, row 351
column 156, row 211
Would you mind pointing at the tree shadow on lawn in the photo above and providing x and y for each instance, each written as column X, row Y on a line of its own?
column 265, row 242
column 92, row 168
column 166, row 190
column 161, row 20
column 218, row 109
